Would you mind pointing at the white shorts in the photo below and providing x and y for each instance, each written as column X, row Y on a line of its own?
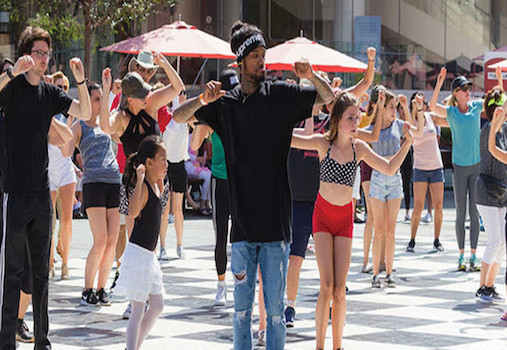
column 61, row 175
column 356, row 192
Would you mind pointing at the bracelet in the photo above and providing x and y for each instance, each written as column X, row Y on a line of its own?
column 9, row 73
column 81, row 82
column 201, row 99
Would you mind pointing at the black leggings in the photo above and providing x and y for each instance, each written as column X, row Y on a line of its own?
column 221, row 211
column 406, row 176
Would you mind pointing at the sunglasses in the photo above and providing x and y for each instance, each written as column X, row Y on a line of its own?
column 144, row 70
column 63, row 87
column 183, row 93
column 464, row 88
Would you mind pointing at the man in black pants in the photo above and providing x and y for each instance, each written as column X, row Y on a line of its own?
column 255, row 121
column 29, row 105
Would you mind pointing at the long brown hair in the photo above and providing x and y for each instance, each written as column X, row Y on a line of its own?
column 389, row 97
column 343, row 101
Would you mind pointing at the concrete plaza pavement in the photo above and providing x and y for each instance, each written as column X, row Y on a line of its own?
column 433, row 306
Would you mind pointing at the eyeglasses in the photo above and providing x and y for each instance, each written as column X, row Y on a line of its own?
column 42, row 54
column 63, row 87
column 143, row 70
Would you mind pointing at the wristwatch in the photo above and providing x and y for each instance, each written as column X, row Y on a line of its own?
column 9, row 72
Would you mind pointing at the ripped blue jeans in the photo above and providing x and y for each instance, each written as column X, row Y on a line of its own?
column 273, row 258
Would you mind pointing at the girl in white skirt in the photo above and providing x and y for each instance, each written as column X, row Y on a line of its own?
column 140, row 274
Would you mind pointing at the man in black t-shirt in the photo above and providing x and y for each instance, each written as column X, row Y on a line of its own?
column 29, row 105
column 255, row 122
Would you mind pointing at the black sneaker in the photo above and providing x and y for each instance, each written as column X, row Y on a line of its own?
column 410, row 246
column 88, row 298
column 437, row 246
column 389, row 281
column 290, row 313
column 375, row 282
column 496, row 298
column 103, row 297
column 23, row 334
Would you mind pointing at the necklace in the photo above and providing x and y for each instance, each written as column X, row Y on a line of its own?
column 244, row 96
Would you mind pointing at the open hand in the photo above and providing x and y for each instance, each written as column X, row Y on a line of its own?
column 76, row 66
column 498, row 73
column 213, row 91
column 303, row 69
column 22, row 65
column 381, row 99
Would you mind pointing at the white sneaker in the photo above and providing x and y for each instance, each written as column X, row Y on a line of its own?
column 163, row 254
column 427, row 218
column 221, row 297
column 180, row 252
column 407, row 217
column 171, row 219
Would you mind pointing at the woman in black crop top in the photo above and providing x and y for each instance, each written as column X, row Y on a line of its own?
column 140, row 276
column 339, row 152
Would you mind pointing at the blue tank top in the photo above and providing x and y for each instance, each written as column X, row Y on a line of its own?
column 99, row 160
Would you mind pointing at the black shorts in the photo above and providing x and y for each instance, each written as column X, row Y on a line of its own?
column 101, row 195
column 302, row 217
column 177, row 177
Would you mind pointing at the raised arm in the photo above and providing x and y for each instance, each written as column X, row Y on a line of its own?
column 303, row 70
column 69, row 147
column 107, row 120
column 374, row 134
column 435, row 107
column 388, row 167
column 59, row 133
column 364, row 84
column 418, row 109
column 140, row 195
column 187, row 109
column 22, row 65
column 165, row 95
column 499, row 117
column 81, row 108
column 310, row 142
column 199, row 135
column 499, row 78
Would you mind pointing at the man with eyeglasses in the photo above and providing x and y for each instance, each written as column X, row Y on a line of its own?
column 29, row 104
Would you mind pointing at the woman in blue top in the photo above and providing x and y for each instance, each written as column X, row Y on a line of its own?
column 101, row 197
column 464, row 118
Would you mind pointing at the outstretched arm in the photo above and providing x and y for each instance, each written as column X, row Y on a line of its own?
column 435, row 107
column 391, row 166
column 303, row 70
column 310, row 142
column 187, row 109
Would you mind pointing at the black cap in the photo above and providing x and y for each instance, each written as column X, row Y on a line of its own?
column 133, row 85
column 229, row 79
column 460, row 82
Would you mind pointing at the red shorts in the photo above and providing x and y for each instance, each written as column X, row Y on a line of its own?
column 337, row 220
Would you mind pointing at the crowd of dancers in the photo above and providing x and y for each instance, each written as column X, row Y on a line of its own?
column 301, row 151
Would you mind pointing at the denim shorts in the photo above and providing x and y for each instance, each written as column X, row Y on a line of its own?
column 429, row 176
column 385, row 187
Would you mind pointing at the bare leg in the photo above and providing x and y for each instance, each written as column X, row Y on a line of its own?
column 98, row 225
column 177, row 200
column 324, row 251
column 393, row 207
column 379, row 211
column 67, row 195
column 368, row 227
column 420, row 189
column 437, row 198
column 121, row 242
column 106, row 263
column 342, row 254
column 295, row 263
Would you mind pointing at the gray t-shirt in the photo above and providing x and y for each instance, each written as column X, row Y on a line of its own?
column 492, row 167
column 389, row 141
